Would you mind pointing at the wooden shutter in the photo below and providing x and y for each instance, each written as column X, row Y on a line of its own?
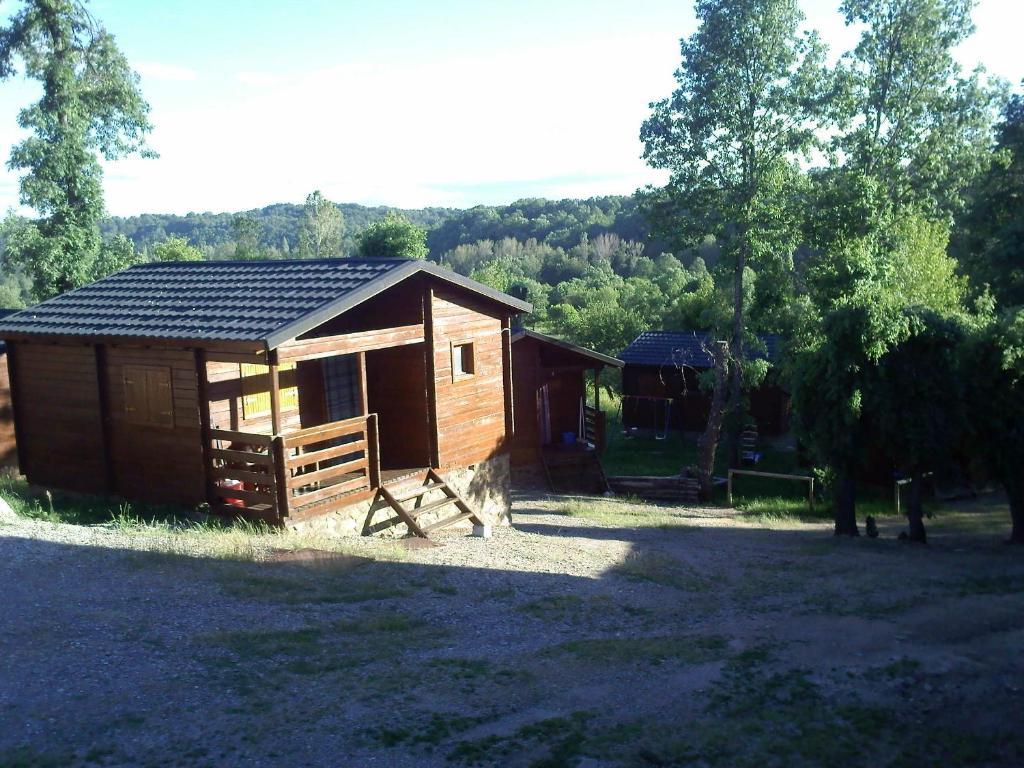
column 148, row 395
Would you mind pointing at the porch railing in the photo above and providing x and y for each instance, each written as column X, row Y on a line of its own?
column 312, row 470
column 593, row 427
column 322, row 466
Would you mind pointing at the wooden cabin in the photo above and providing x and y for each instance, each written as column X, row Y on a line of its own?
column 8, row 448
column 288, row 391
column 661, row 391
column 556, row 430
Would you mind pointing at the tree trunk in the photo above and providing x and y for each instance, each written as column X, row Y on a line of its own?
column 915, row 510
column 845, row 506
column 1015, row 494
column 709, row 441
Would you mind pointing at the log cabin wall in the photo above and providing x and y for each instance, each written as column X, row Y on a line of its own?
column 8, row 445
column 159, row 462
column 59, row 423
column 470, row 409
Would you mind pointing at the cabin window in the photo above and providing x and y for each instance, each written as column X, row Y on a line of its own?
column 148, row 396
column 463, row 364
column 256, row 390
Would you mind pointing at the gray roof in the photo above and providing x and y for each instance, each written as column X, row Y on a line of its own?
column 523, row 333
column 684, row 348
column 268, row 302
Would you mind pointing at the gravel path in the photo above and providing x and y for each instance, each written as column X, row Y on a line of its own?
column 574, row 640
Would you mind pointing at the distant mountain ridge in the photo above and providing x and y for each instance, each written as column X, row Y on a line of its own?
column 560, row 223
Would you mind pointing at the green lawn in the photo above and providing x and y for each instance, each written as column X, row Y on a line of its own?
column 759, row 497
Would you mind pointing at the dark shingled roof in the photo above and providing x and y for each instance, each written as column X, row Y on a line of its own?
column 524, row 333
column 683, row 348
column 4, row 313
column 260, row 301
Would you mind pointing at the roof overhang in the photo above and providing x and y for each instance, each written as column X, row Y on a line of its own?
column 603, row 359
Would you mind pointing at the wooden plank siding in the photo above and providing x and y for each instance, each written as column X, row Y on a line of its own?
column 349, row 343
column 59, row 416
column 470, row 410
column 8, row 443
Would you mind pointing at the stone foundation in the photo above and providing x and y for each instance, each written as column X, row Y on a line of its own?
column 484, row 486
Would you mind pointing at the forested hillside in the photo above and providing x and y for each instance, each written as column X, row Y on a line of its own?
column 559, row 223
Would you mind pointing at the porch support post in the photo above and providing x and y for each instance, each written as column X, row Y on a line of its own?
column 364, row 395
column 597, row 388
column 428, row 332
column 203, row 390
column 277, row 444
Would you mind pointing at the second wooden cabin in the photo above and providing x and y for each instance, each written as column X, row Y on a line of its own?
column 297, row 392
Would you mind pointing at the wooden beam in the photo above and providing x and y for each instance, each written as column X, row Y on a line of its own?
column 506, row 366
column 364, row 394
column 278, row 450
column 106, row 427
column 222, row 356
column 203, row 394
column 349, row 343
column 431, row 363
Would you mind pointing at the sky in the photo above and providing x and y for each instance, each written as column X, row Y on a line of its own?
column 409, row 103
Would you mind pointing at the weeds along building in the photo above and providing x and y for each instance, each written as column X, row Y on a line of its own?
column 350, row 394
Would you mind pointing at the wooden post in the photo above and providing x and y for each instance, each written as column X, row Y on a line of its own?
column 106, row 428
column 364, row 394
column 203, row 391
column 810, row 495
column 21, row 443
column 277, row 446
column 597, row 389
column 428, row 332
column 506, row 365
column 373, row 450
column 728, row 489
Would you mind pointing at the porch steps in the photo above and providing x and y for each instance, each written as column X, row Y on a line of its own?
column 399, row 503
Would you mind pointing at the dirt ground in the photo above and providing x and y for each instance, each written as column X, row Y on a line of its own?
column 584, row 639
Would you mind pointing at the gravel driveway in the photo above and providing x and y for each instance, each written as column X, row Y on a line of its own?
column 564, row 640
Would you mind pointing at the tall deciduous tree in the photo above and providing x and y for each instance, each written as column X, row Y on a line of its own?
column 750, row 96
column 916, row 123
column 990, row 236
column 176, row 249
column 91, row 106
column 393, row 237
column 322, row 228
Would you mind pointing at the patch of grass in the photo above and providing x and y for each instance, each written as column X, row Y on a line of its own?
column 624, row 514
column 430, row 731
column 317, row 649
column 661, row 568
column 297, row 585
column 689, row 649
column 556, row 742
column 897, row 670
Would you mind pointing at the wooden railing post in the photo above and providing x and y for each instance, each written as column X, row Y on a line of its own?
column 728, row 489
column 281, row 473
column 372, row 451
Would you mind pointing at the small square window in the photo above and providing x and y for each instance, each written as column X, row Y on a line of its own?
column 462, row 360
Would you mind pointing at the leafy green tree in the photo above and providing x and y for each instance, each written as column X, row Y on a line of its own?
column 116, row 254
column 993, row 368
column 248, row 231
column 990, row 236
column 322, row 228
column 393, row 237
column 751, row 94
column 915, row 122
column 176, row 249
column 90, row 105
column 915, row 396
